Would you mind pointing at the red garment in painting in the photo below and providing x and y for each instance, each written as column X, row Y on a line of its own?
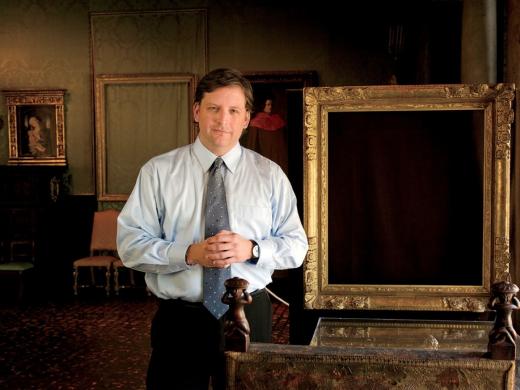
column 267, row 135
column 268, row 122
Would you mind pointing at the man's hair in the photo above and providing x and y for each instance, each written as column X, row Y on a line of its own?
column 224, row 77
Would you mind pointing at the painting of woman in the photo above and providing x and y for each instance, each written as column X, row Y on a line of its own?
column 37, row 137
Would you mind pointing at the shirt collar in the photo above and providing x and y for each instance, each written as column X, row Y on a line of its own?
column 206, row 157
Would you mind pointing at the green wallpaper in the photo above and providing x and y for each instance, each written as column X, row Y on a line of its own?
column 45, row 44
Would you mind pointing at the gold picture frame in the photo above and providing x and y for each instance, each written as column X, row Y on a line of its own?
column 36, row 123
column 138, row 116
column 467, row 120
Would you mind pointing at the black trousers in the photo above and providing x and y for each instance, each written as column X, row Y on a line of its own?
column 188, row 343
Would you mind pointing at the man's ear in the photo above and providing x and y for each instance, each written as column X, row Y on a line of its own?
column 248, row 118
column 196, row 110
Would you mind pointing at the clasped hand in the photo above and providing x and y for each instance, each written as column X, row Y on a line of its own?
column 220, row 250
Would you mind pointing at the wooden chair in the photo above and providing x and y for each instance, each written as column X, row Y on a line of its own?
column 130, row 277
column 125, row 277
column 19, row 261
column 103, row 250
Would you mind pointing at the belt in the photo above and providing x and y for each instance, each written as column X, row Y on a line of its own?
column 177, row 302
column 258, row 292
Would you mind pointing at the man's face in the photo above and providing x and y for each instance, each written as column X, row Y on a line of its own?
column 222, row 116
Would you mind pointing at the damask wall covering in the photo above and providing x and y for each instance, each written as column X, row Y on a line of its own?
column 47, row 43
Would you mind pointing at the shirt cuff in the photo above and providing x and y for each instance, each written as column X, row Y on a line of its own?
column 178, row 256
column 266, row 252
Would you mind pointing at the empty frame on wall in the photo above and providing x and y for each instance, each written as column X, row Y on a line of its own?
column 137, row 117
column 406, row 196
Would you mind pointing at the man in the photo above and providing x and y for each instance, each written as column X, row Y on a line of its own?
column 162, row 231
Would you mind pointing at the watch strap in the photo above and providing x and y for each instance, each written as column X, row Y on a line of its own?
column 254, row 259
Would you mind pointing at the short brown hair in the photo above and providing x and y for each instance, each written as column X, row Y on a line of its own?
column 224, row 77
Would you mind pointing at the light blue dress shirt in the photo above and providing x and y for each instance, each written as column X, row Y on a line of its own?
column 164, row 215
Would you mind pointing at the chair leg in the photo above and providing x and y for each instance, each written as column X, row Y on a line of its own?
column 75, row 284
column 107, row 275
column 116, row 280
column 132, row 278
column 92, row 276
column 20, row 287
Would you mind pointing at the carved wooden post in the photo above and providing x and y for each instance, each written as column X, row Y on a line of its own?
column 236, row 326
column 502, row 338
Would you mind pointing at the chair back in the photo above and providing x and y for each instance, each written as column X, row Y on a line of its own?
column 104, row 231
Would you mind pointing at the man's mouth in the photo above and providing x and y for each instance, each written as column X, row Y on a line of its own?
column 220, row 131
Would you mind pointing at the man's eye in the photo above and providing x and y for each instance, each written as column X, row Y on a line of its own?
column 212, row 108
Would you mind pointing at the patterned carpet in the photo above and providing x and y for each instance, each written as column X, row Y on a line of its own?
column 84, row 344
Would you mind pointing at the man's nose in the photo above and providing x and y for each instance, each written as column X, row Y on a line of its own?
column 222, row 117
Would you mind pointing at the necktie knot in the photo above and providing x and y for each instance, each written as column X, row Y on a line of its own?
column 217, row 164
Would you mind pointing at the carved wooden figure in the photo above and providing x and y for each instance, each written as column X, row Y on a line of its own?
column 236, row 326
column 502, row 338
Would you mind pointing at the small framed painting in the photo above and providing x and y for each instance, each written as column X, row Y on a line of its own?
column 276, row 127
column 36, row 127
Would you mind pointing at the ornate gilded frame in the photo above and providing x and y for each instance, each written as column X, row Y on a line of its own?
column 46, row 148
column 103, row 148
column 496, row 105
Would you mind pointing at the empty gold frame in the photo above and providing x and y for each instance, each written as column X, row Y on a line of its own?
column 137, row 117
column 407, row 198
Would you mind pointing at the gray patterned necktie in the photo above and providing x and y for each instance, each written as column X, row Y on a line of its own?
column 216, row 220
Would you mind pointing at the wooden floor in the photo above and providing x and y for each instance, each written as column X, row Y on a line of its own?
column 85, row 343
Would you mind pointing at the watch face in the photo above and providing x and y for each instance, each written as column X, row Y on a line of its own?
column 256, row 251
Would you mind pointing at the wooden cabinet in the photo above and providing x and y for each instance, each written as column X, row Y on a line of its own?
column 30, row 199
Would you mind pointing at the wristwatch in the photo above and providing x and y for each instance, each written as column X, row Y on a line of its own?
column 256, row 252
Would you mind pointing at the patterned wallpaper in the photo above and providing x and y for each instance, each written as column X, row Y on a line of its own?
column 46, row 44
column 149, row 42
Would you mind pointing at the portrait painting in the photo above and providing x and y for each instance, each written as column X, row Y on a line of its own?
column 276, row 127
column 36, row 127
